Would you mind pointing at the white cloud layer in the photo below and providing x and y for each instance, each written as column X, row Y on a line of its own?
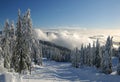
column 72, row 38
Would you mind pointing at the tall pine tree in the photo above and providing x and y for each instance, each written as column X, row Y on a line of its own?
column 107, row 57
column 118, row 67
column 21, row 59
column 97, row 60
column 5, row 45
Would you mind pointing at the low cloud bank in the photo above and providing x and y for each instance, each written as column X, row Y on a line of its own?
column 66, row 38
column 72, row 38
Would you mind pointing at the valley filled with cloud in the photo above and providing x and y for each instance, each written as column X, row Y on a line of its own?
column 72, row 38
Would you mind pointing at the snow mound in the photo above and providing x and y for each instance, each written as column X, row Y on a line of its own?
column 7, row 77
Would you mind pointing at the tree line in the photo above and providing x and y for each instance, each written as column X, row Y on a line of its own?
column 96, row 55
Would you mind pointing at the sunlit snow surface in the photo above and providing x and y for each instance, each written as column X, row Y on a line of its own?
column 72, row 38
column 52, row 71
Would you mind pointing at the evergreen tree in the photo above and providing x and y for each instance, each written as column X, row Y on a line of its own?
column 85, row 55
column 37, row 52
column 97, row 60
column 94, row 53
column 12, row 37
column 107, row 57
column 90, row 56
column 40, row 53
column 75, row 58
column 29, row 38
column 12, row 30
column 82, row 55
column 118, row 67
column 5, row 45
column 1, row 54
column 21, row 59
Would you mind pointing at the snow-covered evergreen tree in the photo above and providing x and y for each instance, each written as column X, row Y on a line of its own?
column 93, row 53
column 82, row 55
column 40, row 53
column 107, row 57
column 21, row 59
column 76, row 58
column 12, row 30
column 32, row 41
column 90, row 56
column 97, row 59
column 1, row 54
column 36, row 52
column 12, row 37
column 57, row 54
column 85, row 55
column 5, row 45
column 118, row 67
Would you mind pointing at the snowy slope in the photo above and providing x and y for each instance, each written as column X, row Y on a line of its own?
column 52, row 71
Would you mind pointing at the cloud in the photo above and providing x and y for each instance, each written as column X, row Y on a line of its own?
column 64, row 37
column 40, row 34
column 72, row 38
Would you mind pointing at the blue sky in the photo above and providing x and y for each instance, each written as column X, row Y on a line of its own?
column 65, row 13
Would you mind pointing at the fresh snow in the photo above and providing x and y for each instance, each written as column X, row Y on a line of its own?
column 52, row 71
column 10, row 77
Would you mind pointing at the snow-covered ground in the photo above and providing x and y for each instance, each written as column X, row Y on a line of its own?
column 52, row 71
